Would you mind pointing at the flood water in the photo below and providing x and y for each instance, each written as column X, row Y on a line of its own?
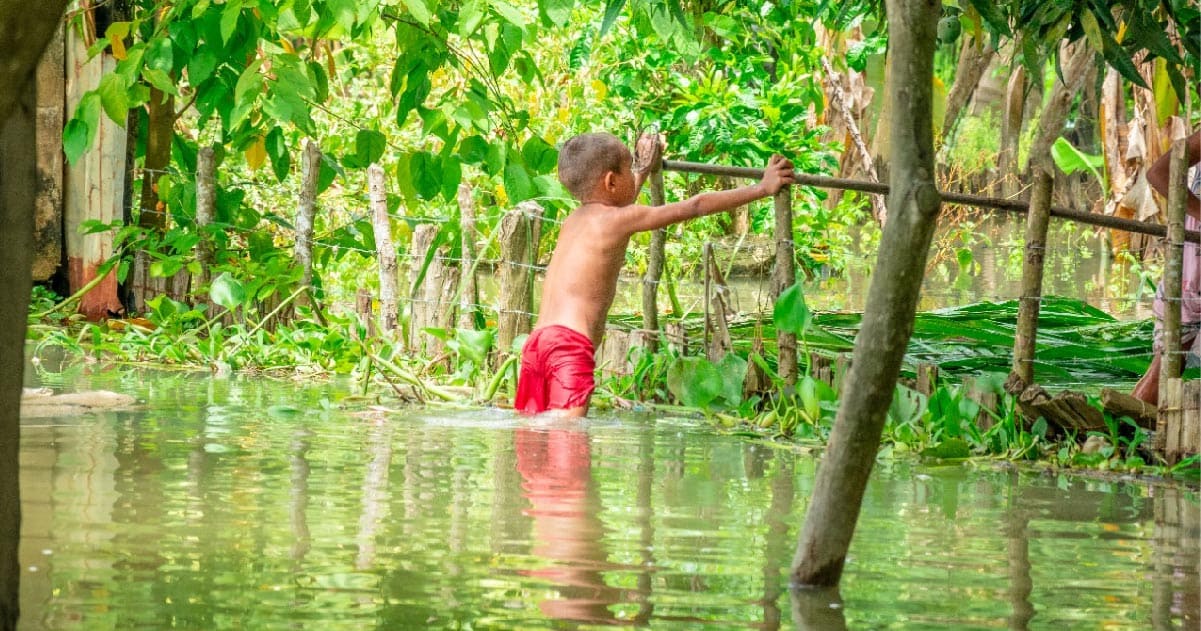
column 244, row 503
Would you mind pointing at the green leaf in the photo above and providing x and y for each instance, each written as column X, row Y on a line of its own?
column 227, row 291
column 518, row 184
column 695, row 381
column 277, row 150
column 539, row 156
column 80, row 132
column 114, row 97
column 732, row 369
column 612, row 10
column 1069, row 159
column 471, row 14
column 369, row 146
column 419, row 11
column 473, row 149
column 426, row 174
column 1092, row 30
column 229, row 19
column 452, row 175
column 557, row 11
column 201, row 65
column 791, row 314
column 510, row 13
column 160, row 80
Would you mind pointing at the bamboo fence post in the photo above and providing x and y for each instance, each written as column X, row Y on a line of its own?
column 1173, row 269
column 1032, row 277
column 385, row 251
column 654, row 267
column 206, row 198
column 310, row 169
column 783, row 276
column 469, row 294
column 518, row 249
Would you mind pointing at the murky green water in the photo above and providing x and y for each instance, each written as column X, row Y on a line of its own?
column 242, row 503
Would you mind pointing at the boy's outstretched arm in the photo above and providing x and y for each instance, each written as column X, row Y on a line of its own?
column 1157, row 175
column 634, row 218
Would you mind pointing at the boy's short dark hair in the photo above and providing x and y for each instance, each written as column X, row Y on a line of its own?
column 585, row 159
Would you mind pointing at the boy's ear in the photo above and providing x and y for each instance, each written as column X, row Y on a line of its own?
column 610, row 180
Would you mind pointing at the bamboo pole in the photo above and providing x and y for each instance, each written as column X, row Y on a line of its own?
column 1032, row 277
column 654, row 267
column 468, row 289
column 206, row 198
column 310, row 169
column 963, row 199
column 386, row 252
column 783, row 276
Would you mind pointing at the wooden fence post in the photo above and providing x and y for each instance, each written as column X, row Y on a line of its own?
column 654, row 268
column 206, row 203
column 469, row 294
column 310, row 168
column 783, row 277
column 1032, row 277
column 927, row 378
column 432, row 301
column 518, row 254
column 385, row 251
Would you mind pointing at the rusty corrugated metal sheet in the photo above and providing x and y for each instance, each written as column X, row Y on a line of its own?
column 94, row 188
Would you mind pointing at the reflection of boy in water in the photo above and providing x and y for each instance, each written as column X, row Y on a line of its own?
column 556, row 469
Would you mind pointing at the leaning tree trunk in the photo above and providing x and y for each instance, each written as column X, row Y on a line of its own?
column 1012, row 115
column 1076, row 59
column 974, row 57
column 25, row 27
column 913, row 205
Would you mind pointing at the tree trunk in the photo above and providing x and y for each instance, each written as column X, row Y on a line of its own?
column 310, row 171
column 974, row 57
column 152, row 214
column 469, row 293
column 1050, row 124
column 25, row 28
column 913, row 205
column 1012, row 115
column 654, row 266
column 782, row 277
column 206, row 206
column 386, row 252
column 1032, row 278
column 48, row 219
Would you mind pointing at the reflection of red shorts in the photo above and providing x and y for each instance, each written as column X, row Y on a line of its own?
column 556, row 371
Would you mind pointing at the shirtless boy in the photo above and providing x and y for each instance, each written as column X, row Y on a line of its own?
column 558, row 360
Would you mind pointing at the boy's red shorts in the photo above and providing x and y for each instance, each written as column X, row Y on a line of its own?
column 556, row 370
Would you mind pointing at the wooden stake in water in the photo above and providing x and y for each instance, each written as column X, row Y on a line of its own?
column 385, row 251
column 1032, row 276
